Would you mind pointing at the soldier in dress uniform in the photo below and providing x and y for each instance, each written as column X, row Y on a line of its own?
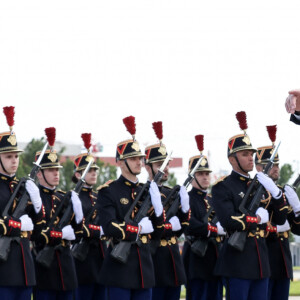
column 133, row 279
column 168, row 265
column 202, row 283
column 59, row 281
column 278, row 235
column 88, row 269
column 245, row 271
column 17, row 274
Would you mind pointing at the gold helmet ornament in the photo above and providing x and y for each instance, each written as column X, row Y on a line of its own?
column 129, row 148
column 81, row 161
column 50, row 158
column 241, row 141
column 203, row 167
column 264, row 153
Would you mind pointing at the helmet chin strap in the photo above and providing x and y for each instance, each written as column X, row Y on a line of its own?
column 128, row 167
column 152, row 171
column 3, row 166
column 45, row 178
column 235, row 156
column 201, row 188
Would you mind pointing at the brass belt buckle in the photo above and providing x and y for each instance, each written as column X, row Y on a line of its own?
column 163, row 243
column 173, row 240
column 144, row 239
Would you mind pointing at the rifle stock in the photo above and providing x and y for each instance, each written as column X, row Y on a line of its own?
column 81, row 249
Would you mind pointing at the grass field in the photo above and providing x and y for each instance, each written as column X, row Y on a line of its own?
column 294, row 289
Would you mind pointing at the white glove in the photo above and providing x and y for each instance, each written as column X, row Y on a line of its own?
column 174, row 221
column 146, row 225
column 269, row 185
column 292, row 198
column 264, row 215
column 26, row 223
column 34, row 194
column 156, row 198
column 184, row 199
column 220, row 229
column 284, row 227
column 77, row 207
column 101, row 231
column 68, row 233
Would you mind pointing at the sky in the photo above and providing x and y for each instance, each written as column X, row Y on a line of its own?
column 82, row 66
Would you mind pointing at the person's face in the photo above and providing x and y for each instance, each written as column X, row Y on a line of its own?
column 245, row 158
column 51, row 175
column 90, row 177
column 134, row 163
column 203, row 178
column 156, row 166
column 10, row 162
column 274, row 172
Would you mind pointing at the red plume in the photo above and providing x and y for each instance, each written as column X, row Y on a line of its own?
column 129, row 122
column 86, row 137
column 272, row 132
column 50, row 133
column 9, row 112
column 200, row 143
column 157, row 126
column 242, row 119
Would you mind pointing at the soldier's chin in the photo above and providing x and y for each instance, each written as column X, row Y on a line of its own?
column 136, row 173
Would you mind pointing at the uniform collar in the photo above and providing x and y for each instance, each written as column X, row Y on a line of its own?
column 46, row 189
column 239, row 176
column 86, row 189
column 7, row 178
column 128, row 182
column 199, row 192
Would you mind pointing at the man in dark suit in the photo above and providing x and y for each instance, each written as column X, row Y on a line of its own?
column 292, row 105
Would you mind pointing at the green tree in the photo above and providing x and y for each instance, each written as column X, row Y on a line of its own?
column 106, row 172
column 172, row 180
column 286, row 173
column 28, row 157
column 66, row 173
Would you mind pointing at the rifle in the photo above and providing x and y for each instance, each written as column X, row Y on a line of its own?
column 120, row 252
column 296, row 183
column 173, row 201
column 21, row 196
column 238, row 238
column 199, row 246
column 81, row 249
column 45, row 256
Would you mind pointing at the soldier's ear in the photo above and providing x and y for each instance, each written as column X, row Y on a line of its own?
column 78, row 175
column 148, row 169
column 39, row 174
column 231, row 160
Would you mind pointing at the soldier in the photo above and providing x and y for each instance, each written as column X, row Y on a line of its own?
column 59, row 280
column 168, row 265
column 278, row 235
column 88, row 268
column 202, row 283
column 246, row 270
column 135, row 278
column 17, row 274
